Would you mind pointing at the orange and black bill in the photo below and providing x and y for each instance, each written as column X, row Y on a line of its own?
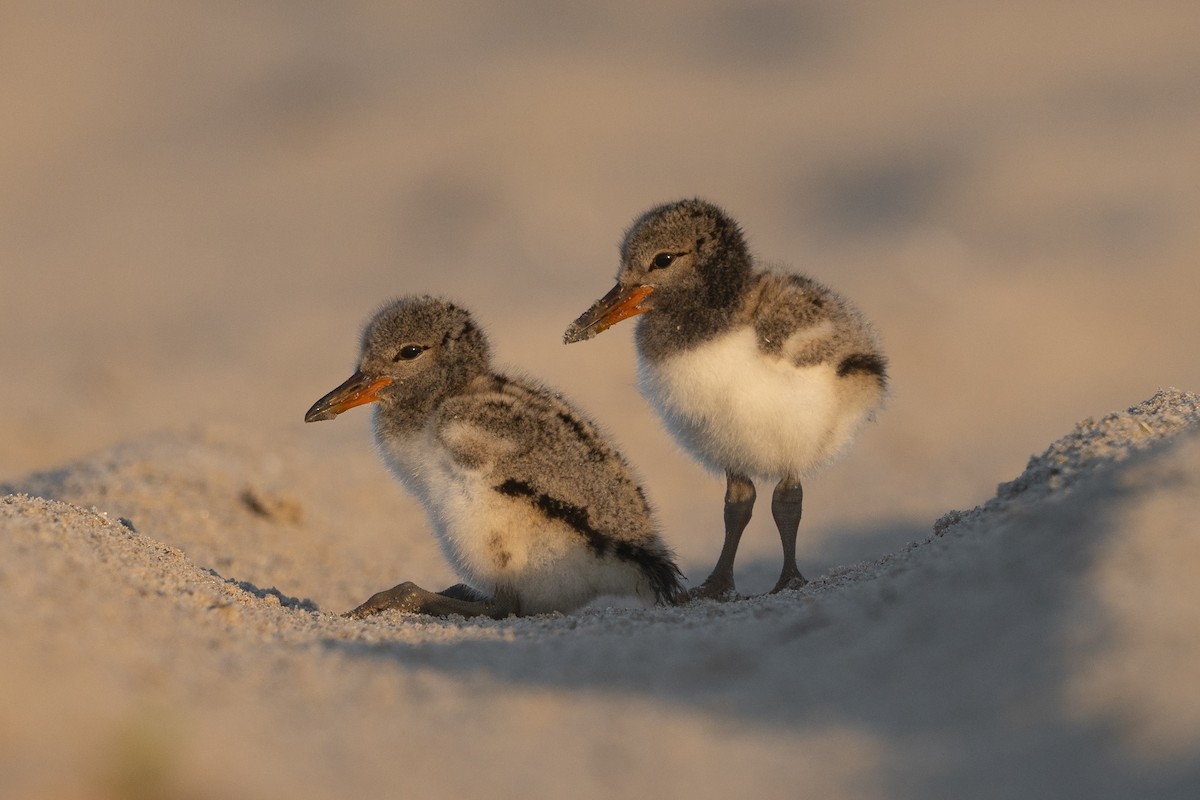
column 621, row 303
column 359, row 389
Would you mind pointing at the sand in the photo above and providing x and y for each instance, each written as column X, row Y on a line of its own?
column 1040, row 644
column 200, row 205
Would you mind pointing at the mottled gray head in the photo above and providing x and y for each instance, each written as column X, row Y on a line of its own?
column 414, row 352
column 687, row 255
column 686, row 231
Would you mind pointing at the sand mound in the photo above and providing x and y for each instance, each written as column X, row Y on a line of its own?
column 1039, row 645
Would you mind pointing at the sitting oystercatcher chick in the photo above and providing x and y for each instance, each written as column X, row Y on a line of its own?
column 761, row 375
column 534, row 509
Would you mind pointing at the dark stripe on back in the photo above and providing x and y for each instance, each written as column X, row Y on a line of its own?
column 661, row 571
column 596, row 449
column 870, row 363
column 573, row 422
column 595, row 446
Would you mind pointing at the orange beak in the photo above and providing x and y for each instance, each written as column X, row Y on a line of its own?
column 356, row 391
column 620, row 303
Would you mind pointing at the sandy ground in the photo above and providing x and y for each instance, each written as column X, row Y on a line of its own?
column 200, row 205
column 1042, row 644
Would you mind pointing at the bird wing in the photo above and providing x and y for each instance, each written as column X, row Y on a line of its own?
column 531, row 446
column 805, row 322
column 479, row 431
column 525, row 433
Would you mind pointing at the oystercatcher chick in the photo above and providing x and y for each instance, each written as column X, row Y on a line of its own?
column 761, row 375
column 533, row 508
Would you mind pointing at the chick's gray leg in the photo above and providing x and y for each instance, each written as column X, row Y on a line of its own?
column 461, row 591
column 739, row 505
column 786, row 504
column 459, row 599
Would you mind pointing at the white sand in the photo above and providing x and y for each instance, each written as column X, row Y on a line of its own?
column 200, row 204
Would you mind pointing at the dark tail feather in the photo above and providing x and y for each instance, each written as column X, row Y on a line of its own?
column 665, row 580
column 658, row 565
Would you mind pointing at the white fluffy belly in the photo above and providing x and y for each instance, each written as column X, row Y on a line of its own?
column 493, row 540
column 737, row 408
column 482, row 533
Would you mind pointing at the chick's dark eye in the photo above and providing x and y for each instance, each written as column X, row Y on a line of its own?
column 662, row 260
column 409, row 352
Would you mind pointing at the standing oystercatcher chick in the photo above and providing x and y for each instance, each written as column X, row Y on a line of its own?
column 761, row 375
column 533, row 508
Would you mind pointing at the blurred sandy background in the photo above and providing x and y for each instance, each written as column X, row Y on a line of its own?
column 200, row 205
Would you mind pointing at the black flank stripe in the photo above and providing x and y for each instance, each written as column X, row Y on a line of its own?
column 574, row 516
column 869, row 363
column 662, row 573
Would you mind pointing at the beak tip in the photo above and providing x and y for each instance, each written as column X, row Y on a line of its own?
column 316, row 415
column 357, row 390
column 575, row 333
column 620, row 303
